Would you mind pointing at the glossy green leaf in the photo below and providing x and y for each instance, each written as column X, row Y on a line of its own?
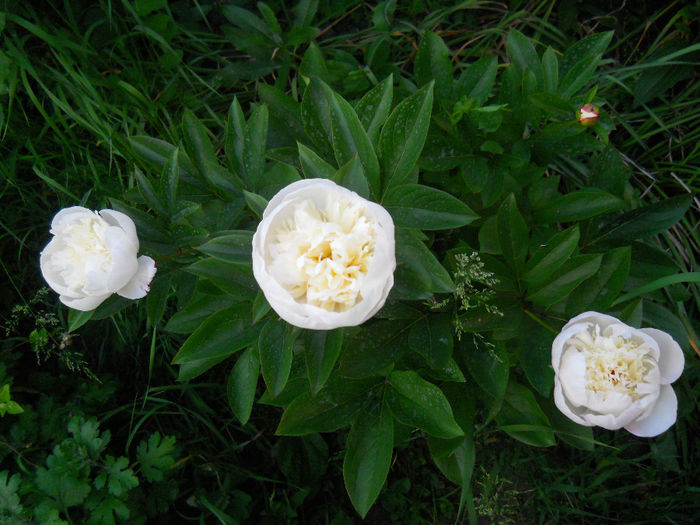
column 198, row 308
column 478, row 79
column 234, row 279
column 550, row 70
column 352, row 176
column 242, row 383
column 569, row 276
column 157, row 298
column 535, row 353
column 283, row 108
column 579, row 205
column 523, row 419
column 234, row 247
column 487, row 364
column 373, row 348
column 255, row 142
column 257, row 203
column 403, row 135
column 313, row 166
column 157, row 153
column 427, row 208
column 418, row 403
column 335, row 406
column 645, row 221
column 513, row 233
column 316, row 116
column 572, row 433
column 151, row 196
column 589, row 50
column 548, row 258
column 432, row 338
column 77, row 318
column 418, row 273
column 433, row 63
column 599, row 291
column 322, row 349
column 368, row 457
column 374, row 107
column 522, row 54
column 349, row 139
column 313, row 64
column 275, row 346
column 220, row 336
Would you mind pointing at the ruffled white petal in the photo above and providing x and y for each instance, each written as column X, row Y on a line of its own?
column 123, row 221
column 662, row 417
column 84, row 304
column 140, row 283
column 671, row 358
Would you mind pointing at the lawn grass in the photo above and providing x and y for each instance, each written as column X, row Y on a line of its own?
column 79, row 78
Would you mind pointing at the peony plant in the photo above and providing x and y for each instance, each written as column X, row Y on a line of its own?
column 324, row 256
column 611, row 375
column 92, row 255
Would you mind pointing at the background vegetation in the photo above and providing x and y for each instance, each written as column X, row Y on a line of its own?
column 78, row 79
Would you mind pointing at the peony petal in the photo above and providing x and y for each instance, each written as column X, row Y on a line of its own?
column 572, row 374
column 662, row 417
column 603, row 320
column 671, row 359
column 564, row 406
column 84, row 304
column 68, row 215
column 560, row 340
column 139, row 284
column 123, row 221
column 48, row 271
column 123, row 254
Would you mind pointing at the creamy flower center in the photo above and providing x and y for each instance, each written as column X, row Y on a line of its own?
column 614, row 363
column 84, row 250
column 321, row 256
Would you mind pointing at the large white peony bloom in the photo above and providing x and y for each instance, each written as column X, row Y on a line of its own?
column 612, row 375
column 323, row 255
column 93, row 255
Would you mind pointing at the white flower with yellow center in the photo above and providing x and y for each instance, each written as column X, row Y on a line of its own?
column 93, row 255
column 324, row 256
column 611, row 375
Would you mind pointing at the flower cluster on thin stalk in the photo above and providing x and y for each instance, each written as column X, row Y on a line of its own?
column 473, row 287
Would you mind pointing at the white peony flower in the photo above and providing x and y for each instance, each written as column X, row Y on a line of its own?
column 323, row 255
column 93, row 255
column 612, row 375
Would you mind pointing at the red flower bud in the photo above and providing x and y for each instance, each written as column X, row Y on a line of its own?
column 587, row 115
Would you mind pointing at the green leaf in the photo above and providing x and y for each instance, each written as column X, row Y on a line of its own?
column 349, row 138
column 579, row 205
column 418, row 403
column 155, row 456
column 255, row 142
column 117, row 475
column 234, row 279
column 157, row 298
column 9, row 499
column 522, row 54
column 257, row 203
column 535, row 353
column 522, row 418
column 322, row 349
column 599, row 291
column 368, row 457
column 477, row 80
column 77, row 318
column 432, row 338
column 352, row 176
column 488, row 365
column 335, row 406
column 275, row 346
column 513, row 233
column 234, row 247
column 361, row 356
column 403, row 136
column 152, row 198
column 550, row 71
column 549, row 258
column 417, row 206
column 206, row 300
column 374, row 107
column 242, row 383
column 313, row 63
column 221, row 335
column 418, row 273
column 433, row 63
column 569, row 276
column 313, row 166
column 157, row 153
column 235, row 132
column 646, row 221
column 580, row 62
column 316, row 116
column 572, row 433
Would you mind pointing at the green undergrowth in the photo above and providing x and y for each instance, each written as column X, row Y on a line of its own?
column 108, row 433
